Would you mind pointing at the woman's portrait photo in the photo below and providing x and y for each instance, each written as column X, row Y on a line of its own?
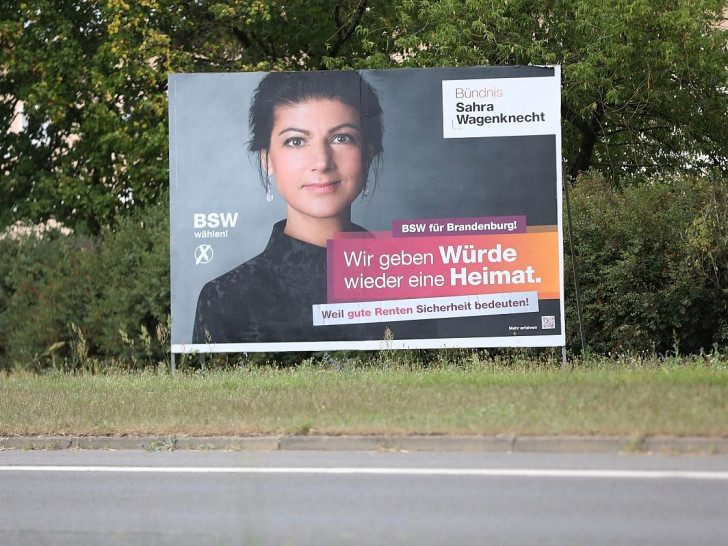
column 316, row 139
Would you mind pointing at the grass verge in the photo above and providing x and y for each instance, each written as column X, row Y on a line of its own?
column 471, row 397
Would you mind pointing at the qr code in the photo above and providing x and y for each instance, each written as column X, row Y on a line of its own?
column 548, row 322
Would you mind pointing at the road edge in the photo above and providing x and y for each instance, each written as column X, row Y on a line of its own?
column 499, row 443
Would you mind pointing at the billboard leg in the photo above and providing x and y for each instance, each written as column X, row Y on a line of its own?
column 575, row 268
column 564, row 362
column 172, row 365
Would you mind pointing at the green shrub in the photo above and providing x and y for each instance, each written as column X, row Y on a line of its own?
column 132, row 280
column 652, row 257
column 45, row 289
column 652, row 264
column 68, row 300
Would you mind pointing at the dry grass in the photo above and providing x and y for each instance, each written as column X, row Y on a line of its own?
column 472, row 398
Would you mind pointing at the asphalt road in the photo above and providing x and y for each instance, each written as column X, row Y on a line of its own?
column 321, row 498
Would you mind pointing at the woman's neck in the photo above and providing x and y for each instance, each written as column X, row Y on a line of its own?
column 316, row 231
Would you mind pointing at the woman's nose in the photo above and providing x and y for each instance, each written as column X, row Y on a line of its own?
column 321, row 157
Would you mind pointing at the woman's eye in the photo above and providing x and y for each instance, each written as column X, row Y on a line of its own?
column 294, row 142
column 343, row 139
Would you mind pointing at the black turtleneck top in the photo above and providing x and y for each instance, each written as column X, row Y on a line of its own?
column 269, row 298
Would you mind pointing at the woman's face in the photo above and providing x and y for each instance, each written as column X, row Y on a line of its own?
column 315, row 156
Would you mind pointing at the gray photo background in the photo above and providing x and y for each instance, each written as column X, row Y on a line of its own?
column 422, row 174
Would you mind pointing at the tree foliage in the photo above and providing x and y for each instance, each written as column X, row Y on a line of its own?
column 644, row 80
column 91, row 76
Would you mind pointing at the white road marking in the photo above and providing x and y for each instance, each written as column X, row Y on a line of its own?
column 485, row 472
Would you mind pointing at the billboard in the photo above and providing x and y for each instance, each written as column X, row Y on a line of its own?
column 410, row 208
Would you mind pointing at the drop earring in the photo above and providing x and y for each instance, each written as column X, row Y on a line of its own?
column 269, row 189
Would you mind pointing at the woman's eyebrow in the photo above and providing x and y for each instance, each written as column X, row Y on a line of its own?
column 294, row 130
column 343, row 126
column 332, row 130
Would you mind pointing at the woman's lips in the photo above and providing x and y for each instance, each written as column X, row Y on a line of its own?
column 322, row 187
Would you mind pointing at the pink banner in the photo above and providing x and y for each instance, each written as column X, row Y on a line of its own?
column 377, row 269
column 486, row 225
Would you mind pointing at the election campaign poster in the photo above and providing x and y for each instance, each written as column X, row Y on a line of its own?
column 410, row 208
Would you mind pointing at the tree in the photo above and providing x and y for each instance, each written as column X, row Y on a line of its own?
column 91, row 77
column 644, row 81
